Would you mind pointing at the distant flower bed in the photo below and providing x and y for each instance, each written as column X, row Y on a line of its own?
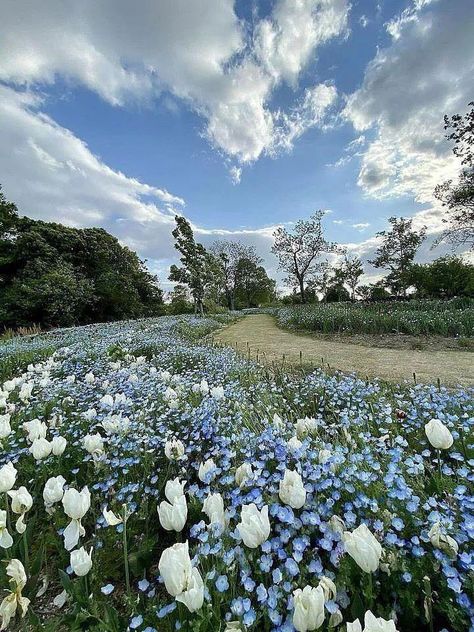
column 417, row 317
column 153, row 482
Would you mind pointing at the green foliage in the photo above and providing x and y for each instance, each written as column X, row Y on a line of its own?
column 337, row 293
column 445, row 277
column 397, row 251
column 253, row 287
column 55, row 275
column 414, row 317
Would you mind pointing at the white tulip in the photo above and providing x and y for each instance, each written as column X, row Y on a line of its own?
column 174, row 489
column 372, row 624
column 7, row 477
column 254, row 527
column 193, row 596
column 58, row 445
column 90, row 414
column 324, row 456
column 204, row 387
column 438, row 435
column 213, row 507
column 170, row 394
column 294, row 444
column 337, row 524
column 443, row 541
column 14, row 600
column 305, row 427
column 36, row 429
column 53, row 491
column 6, row 539
column 243, row 474
column 94, row 444
column 329, row 588
column 165, row 376
column 205, row 469
column 5, row 428
column 107, row 401
column 217, row 393
column 89, row 378
column 174, row 449
column 21, row 503
column 175, row 568
column 111, row 518
column 292, row 491
column 41, row 449
column 364, row 548
column 173, row 516
column 309, row 608
column 277, row 421
column 76, row 504
column 81, row 561
column 26, row 391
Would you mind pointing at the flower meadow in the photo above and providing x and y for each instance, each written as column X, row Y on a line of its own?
column 152, row 481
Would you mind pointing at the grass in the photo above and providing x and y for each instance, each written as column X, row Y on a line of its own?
column 258, row 337
column 417, row 318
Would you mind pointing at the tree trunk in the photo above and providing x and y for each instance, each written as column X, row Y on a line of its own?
column 302, row 294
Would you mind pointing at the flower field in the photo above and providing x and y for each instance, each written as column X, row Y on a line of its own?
column 415, row 317
column 152, row 481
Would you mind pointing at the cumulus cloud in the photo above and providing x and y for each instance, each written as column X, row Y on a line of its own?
column 200, row 52
column 425, row 72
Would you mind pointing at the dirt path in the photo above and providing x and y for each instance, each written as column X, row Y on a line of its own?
column 261, row 333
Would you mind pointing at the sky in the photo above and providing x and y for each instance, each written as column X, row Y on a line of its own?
column 242, row 116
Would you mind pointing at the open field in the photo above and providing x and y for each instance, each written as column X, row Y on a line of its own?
column 453, row 318
column 266, row 483
column 260, row 334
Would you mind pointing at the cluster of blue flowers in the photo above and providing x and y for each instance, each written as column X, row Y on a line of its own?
column 359, row 447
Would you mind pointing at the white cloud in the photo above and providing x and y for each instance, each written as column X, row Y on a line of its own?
column 198, row 51
column 426, row 71
column 361, row 226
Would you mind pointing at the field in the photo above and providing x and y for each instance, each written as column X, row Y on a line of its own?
column 416, row 317
column 267, row 483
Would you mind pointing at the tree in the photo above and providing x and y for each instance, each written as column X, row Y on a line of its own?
column 336, row 293
column 445, row 277
column 349, row 272
column 179, row 300
column 254, row 287
column 229, row 254
column 299, row 252
column 459, row 198
column 198, row 265
column 55, row 275
column 397, row 251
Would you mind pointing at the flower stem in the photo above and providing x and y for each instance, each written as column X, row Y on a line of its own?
column 125, row 551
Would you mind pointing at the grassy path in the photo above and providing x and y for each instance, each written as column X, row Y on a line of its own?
column 262, row 334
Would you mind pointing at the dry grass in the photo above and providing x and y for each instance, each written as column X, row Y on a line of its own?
column 258, row 335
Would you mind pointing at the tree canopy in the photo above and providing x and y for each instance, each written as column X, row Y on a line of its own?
column 54, row 275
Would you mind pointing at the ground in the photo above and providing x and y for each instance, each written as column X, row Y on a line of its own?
column 260, row 334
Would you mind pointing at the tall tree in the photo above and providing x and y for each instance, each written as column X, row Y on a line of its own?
column 253, row 286
column 198, row 265
column 349, row 272
column 397, row 251
column 299, row 252
column 230, row 253
column 458, row 198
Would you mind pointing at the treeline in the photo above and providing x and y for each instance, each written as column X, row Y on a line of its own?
column 229, row 275
column 53, row 275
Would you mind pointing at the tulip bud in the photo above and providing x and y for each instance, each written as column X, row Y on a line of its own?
column 21, row 503
column 7, row 477
column 53, row 490
column 81, row 561
column 5, row 428
column 438, row 435
column 372, row 624
column 76, row 504
column 175, row 568
column 217, row 393
column 214, row 509
column 292, row 491
column 94, row 444
column 243, row 474
column 6, row 539
column 36, row 429
column 58, row 445
column 173, row 515
column 254, row 527
column 364, row 548
column 294, row 444
column 309, row 608
column 443, row 541
column 205, row 471
column 174, row 489
column 193, row 596
column 40, row 449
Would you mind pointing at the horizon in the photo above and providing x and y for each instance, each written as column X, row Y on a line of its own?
column 239, row 117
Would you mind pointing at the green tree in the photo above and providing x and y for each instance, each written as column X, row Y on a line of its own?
column 229, row 254
column 445, row 277
column 336, row 293
column 299, row 252
column 397, row 251
column 349, row 273
column 458, row 198
column 199, row 266
column 254, row 287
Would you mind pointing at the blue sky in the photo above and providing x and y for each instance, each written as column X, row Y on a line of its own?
column 242, row 116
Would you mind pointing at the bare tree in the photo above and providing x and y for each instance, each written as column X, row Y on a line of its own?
column 229, row 253
column 299, row 252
